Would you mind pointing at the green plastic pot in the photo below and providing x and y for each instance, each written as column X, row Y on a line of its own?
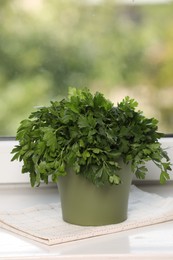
column 87, row 205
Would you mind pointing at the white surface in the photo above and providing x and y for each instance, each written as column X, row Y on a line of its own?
column 10, row 172
column 44, row 224
column 152, row 242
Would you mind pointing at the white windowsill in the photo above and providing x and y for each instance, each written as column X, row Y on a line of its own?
column 152, row 242
column 11, row 171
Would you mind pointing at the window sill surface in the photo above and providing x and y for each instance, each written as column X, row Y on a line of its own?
column 152, row 242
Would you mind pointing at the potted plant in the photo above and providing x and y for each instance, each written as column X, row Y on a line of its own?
column 90, row 148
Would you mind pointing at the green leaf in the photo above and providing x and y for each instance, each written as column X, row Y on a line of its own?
column 96, row 150
column 25, row 168
column 114, row 179
column 99, row 173
column 74, row 108
column 101, row 102
column 26, row 123
column 33, row 179
column 40, row 147
column 61, row 168
column 50, row 138
column 55, row 176
column 83, row 121
column 113, row 163
column 141, row 172
column 28, row 154
column 85, row 154
column 166, row 166
column 81, row 143
column 77, row 167
column 146, row 151
column 42, row 167
column 16, row 156
column 66, row 118
column 164, row 176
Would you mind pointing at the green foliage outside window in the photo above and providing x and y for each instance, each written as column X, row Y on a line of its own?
column 47, row 46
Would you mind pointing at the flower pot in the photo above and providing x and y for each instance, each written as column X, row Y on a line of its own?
column 87, row 205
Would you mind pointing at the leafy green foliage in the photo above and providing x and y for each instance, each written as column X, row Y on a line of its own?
column 103, row 44
column 86, row 132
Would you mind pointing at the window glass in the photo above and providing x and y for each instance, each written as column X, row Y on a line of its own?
column 118, row 48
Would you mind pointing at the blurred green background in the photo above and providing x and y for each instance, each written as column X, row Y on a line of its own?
column 118, row 49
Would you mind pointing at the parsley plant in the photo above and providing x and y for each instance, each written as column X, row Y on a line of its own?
column 88, row 133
